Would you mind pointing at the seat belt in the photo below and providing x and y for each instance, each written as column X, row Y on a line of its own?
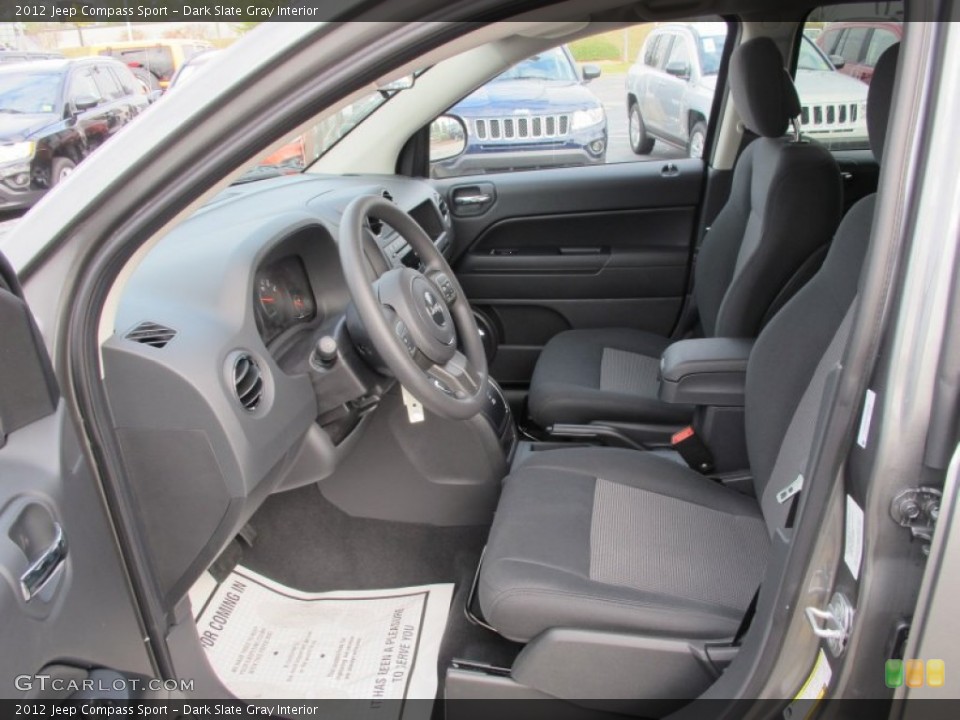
column 693, row 450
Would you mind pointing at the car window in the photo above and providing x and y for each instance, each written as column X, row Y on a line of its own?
column 831, row 77
column 811, row 58
column 879, row 41
column 83, row 84
column 158, row 59
column 126, row 79
column 851, row 47
column 661, row 51
column 680, row 53
column 710, row 48
column 27, row 93
column 107, row 83
column 583, row 103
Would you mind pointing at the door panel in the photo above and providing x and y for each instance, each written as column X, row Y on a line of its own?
column 64, row 595
column 584, row 247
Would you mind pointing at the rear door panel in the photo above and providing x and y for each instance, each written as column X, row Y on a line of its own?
column 584, row 247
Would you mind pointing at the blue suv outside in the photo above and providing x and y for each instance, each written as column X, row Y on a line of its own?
column 536, row 114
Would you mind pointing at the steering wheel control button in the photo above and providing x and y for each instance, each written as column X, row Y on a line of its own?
column 401, row 331
column 446, row 287
column 325, row 352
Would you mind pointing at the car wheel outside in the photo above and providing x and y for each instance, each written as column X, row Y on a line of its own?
column 640, row 142
column 60, row 169
column 698, row 139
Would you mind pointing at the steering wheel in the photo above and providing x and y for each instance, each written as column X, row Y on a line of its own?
column 415, row 319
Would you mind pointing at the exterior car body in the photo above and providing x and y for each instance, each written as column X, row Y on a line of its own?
column 859, row 45
column 19, row 56
column 53, row 114
column 671, row 85
column 537, row 114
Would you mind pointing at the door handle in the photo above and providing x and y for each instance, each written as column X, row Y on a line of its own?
column 42, row 570
column 465, row 200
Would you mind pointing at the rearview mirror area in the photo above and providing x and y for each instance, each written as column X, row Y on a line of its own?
column 448, row 138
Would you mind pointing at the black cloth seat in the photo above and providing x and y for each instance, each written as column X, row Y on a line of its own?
column 623, row 540
column 784, row 206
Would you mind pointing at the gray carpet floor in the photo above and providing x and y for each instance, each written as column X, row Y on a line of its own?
column 305, row 542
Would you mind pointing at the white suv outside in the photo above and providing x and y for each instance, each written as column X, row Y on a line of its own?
column 671, row 85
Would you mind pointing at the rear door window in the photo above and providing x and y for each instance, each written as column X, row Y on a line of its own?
column 109, row 86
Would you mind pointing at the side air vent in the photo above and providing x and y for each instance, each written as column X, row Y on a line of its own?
column 247, row 382
column 150, row 333
column 376, row 224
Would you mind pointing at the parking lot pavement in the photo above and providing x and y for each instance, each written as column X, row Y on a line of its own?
column 611, row 91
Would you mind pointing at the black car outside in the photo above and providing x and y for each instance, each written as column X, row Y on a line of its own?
column 53, row 113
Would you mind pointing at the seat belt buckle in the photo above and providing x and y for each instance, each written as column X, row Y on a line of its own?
column 692, row 449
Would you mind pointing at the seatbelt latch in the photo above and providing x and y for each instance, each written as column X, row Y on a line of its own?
column 692, row 449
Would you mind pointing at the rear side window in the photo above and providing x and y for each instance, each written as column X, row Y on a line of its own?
column 851, row 46
column 125, row 78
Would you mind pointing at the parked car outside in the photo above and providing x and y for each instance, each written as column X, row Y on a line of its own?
column 537, row 114
column 153, row 62
column 859, row 45
column 671, row 85
column 53, row 114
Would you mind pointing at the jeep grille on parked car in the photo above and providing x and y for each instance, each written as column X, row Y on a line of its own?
column 829, row 115
column 522, row 127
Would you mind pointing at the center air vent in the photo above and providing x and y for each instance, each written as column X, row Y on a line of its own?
column 247, row 382
column 149, row 333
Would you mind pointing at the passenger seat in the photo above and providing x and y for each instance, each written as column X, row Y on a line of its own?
column 784, row 206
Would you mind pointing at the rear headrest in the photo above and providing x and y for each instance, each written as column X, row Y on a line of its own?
column 880, row 97
column 762, row 89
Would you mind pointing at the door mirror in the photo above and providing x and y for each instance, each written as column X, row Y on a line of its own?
column 837, row 61
column 678, row 69
column 84, row 102
column 448, row 137
column 590, row 72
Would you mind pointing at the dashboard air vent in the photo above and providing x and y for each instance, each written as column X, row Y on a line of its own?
column 150, row 333
column 247, row 382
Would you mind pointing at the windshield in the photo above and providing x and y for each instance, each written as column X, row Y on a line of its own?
column 711, row 53
column 29, row 92
column 550, row 65
column 811, row 58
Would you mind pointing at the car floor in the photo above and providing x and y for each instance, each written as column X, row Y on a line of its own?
column 305, row 542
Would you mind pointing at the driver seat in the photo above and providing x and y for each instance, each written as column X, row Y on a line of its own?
column 626, row 541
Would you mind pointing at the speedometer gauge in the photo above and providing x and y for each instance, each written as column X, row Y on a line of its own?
column 270, row 298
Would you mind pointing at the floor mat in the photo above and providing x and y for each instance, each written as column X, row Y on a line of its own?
column 266, row 640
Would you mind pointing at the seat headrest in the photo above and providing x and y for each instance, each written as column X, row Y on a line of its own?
column 762, row 89
column 880, row 97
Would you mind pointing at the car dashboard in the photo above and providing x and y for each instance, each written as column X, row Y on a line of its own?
column 207, row 372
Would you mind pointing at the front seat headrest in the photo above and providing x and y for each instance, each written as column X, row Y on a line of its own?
column 762, row 89
column 880, row 97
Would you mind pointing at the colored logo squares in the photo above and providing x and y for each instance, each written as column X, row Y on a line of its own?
column 911, row 673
